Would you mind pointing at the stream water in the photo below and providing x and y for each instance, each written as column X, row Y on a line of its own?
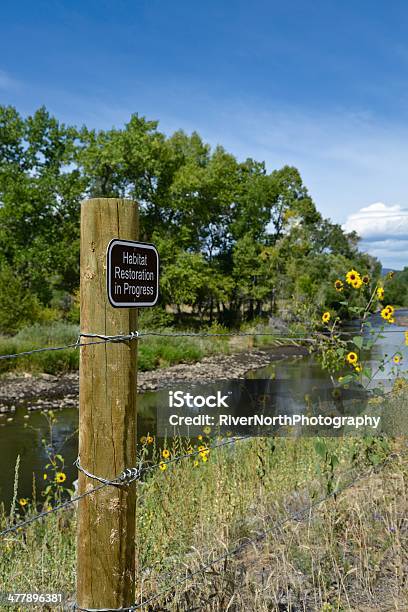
column 23, row 433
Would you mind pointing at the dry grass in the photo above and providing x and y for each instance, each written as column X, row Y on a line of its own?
column 349, row 554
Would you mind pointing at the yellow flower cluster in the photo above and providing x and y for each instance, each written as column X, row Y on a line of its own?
column 354, row 279
column 387, row 314
column 380, row 293
column 204, row 452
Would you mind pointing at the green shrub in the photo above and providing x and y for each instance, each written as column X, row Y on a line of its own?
column 39, row 336
column 154, row 351
column 48, row 335
column 162, row 351
column 18, row 307
column 154, row 318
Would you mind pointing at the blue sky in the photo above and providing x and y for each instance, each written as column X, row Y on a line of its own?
column 321, row 85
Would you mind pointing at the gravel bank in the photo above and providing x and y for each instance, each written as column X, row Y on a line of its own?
column 48, row 391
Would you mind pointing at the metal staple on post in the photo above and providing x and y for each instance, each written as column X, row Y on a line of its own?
column 126, row 477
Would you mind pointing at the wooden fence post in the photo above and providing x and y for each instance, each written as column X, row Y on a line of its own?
column 107, row 417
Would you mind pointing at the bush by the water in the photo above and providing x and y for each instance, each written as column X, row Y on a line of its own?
column 18, row 305
column 153, row 351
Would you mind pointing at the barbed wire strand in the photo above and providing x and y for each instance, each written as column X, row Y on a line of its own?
column 119, row 480
column 299, row 516
column 41, row 515
column 103, row 339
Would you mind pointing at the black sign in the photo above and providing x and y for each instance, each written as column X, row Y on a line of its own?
column 132, row 274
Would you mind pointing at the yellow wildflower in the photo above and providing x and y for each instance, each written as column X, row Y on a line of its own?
column 60, row 477
column 365, row 279
column 207, row 430
column 380, row 293
column 357, row 283
column 196, row 464
column 204, row 457
column 23, row 501
column 149, row 439
column 357, row 367
column 166, row 453
column 143, row 439
column 352, row 276
column 338, row 285
column 397, row 359
column 326, row 317
column 45, row 476
column 387, row 313
column 162, row 466
column 200, row 437
column 352, row 358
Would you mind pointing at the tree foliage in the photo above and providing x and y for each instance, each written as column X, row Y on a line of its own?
column 232, row 237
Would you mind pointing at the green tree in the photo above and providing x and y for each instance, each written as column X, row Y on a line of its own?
column 40, row 193
column 397, row 288
column 18, row 306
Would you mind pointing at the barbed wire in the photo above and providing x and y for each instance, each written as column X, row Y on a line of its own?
column 134, row 335
column 41, row 515
column 126, row 477
column 300, row 516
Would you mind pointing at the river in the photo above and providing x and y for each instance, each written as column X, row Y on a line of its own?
column 22, row 433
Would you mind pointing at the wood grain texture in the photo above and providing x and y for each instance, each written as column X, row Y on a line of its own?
column 107, row 416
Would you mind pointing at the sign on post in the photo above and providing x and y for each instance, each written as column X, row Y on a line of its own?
column 132, row 274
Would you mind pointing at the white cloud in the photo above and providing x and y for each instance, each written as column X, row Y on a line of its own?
column 383, row 230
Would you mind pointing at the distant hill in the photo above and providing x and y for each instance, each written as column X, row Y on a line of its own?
column 385, row 271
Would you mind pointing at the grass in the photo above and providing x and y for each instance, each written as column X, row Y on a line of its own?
column 349, row 554
column 153, row 351
column 38, row 336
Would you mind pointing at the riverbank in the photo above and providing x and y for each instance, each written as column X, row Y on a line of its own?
column 296, row 546
column 47, row 391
